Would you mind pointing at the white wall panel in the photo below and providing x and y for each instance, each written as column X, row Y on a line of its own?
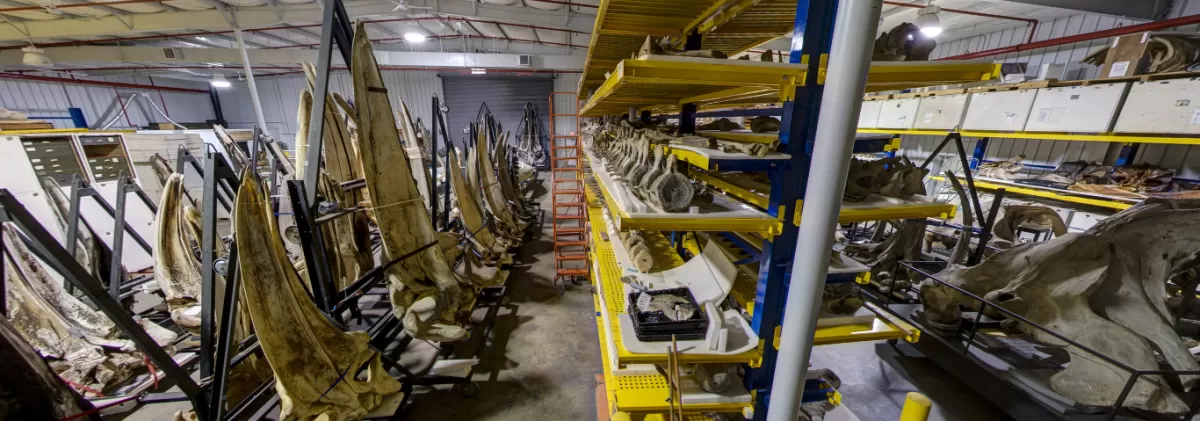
column 51, row 99
column 280, row 98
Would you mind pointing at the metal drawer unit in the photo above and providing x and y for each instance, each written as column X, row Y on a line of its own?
column 53, row 156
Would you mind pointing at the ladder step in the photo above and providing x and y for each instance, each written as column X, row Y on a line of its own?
column 572, row 272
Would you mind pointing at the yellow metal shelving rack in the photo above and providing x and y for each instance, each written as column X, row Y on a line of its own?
column 658, row 82
column 615, row 83
column 642, row 394
column 1077, row 137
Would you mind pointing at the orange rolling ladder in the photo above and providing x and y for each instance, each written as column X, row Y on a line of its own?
column 567, row 197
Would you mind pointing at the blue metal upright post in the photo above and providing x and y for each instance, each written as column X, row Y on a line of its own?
column 813, row 28
column 980, row 151
column 77, row 117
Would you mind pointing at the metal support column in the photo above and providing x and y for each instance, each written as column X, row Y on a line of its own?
column 258, row 112
column 797, row 129
column 335, row 27
column 215, row 100
column 687, row 119
column 849, row 61
column 980, row 151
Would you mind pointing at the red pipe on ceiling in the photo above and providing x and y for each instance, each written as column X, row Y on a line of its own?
column 99, row 83
column 74, row 5
column 556, row 44
column 289, row 68
column 203, row 33
column 1125, row 30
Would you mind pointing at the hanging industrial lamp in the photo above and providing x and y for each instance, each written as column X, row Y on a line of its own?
column 219, row 81
column 35, row 57
column 928, row 22
column 414, row 33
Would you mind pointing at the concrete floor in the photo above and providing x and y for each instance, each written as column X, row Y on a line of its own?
column 542, row 357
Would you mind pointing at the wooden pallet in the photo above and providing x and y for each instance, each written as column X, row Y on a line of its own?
column 25, row 125
column 940, row 92
column 1055, row 83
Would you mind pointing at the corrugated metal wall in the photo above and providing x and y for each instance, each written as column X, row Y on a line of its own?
column 505, row 97
column 565, row 104
column 280, row 98
column 1184, row 159
column 51, row 99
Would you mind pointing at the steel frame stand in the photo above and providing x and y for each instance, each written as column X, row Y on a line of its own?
column 985, row 220
column 60, row 260
column 80, row 189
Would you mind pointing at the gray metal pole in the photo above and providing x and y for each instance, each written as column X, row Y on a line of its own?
column 849, row 62
column 258, row 111
column 316, row 121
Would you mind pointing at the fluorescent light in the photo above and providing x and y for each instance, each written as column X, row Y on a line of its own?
column 927, row 20
column 479, row 71
column 219, row 81
column 201, row 39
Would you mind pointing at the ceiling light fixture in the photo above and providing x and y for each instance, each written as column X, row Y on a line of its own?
column 35, row 57
column 479, row 71
column 219, row 81
column 414, row 33
column 927, row 20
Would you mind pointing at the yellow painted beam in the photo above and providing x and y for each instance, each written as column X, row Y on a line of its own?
column 50, row 131
column 1078, row 137
column 1046, row 194
column 728, row 95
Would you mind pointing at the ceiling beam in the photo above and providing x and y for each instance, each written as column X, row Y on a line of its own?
column 1143, row 9
column 112, row 55
column 264, row 16
column 264, row 34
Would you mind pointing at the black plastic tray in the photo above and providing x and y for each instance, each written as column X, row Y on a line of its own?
column 653, row 326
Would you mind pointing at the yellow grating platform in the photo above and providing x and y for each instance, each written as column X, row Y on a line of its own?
column 640, row 394
column 744, row 24
column 658, row 82
column 609, row 282
column 622, row 26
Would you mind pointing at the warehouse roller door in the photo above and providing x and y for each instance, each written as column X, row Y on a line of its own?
column 505, row 96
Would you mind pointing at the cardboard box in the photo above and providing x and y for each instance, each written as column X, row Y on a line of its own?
column 1126, row 56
